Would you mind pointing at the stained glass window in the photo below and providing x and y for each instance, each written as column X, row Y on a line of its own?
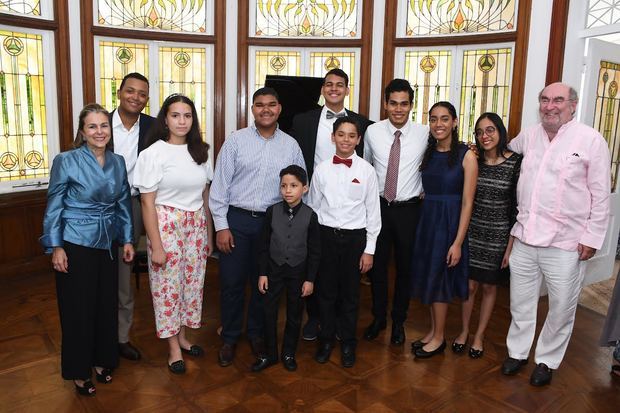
column 603, row 13
column 302, row 18
column 26, row 7
column 116, row 59
column 485, row 86
column 323, row 62
column 189, row 16
column 446, row 17
column 607, row 111
column 429, row 73
column 183, row 70
column 275, row 62
column 23, row 132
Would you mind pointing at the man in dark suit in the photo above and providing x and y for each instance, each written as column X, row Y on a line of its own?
column 129, row 128
column 313, row 130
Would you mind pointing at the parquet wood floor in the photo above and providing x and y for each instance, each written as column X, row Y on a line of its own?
column 385, row 379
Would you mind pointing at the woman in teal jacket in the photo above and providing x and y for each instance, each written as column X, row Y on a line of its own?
column 88, row 211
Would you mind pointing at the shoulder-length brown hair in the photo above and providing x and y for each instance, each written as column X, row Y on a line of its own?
column 87, row 110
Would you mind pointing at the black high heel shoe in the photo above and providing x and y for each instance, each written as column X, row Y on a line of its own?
column 105, row 376
column 87, row 389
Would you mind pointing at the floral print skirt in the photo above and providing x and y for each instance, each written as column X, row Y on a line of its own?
column 177, row 286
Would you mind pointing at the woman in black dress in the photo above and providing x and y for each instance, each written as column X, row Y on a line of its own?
column 493, row 215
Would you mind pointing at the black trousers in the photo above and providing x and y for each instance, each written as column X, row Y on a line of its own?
column 289, row 278
column 339, row 282
column 88, row 307
column 398, row 227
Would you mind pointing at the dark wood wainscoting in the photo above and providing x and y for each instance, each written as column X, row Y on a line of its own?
column 21, row 225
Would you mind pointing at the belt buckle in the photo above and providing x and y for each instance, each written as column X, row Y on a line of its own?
column 336, row 231
column 254, row 214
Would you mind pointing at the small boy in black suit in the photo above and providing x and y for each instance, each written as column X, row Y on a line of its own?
column 289, row 256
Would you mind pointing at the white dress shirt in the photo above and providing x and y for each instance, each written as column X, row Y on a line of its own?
column 347, row 198
column 377, row 145
column 325, row 148
column 126, row 145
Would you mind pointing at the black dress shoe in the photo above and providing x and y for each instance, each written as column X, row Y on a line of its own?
column 289, row 362
column 420, row 353
column 347, row 356
column 458, row 348
column 512, row 366
column 258, row 346
column 324, row 352
column 310, row 330
column 541, row 376
column 416, row 345
column 398, row 334
column 372, row 331
column 194, row 351
column 126, row 350
column 226, row 355
column 262, row 363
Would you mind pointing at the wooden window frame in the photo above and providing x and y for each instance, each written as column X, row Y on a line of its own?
column 520, row 38
column 364, row 43
column 89, row 30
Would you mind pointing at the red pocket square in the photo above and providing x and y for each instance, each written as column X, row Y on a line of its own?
column 355, row 181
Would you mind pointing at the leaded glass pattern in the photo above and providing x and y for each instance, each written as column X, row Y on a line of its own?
column 323, row 62
column 607, row 112
column 275, row 62
column 183, row 70
column 189, row 16
column 603, row 13
column 306, row 18
column 485, row 86
column 23, row 131
column 428, row 72
column 116, row 59
column 446, row 17
column 25, row 7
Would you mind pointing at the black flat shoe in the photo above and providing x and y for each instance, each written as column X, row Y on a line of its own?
column 347, row 357
column 416, row 345
column 458, row 348
column 420, row 353
column 475, row 353
column 372, row 331
column 105, row 376
column 178, row 367
column 398, row 334
column 194, row 351
column 87, row 389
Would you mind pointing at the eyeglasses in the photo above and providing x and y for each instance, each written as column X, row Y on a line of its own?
column 556, row 101
column 489, row 130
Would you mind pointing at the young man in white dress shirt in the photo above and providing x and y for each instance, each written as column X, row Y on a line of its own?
column 345, row 196
column 129, row 128
column 395, row 147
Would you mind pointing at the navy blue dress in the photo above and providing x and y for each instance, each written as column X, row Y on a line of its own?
column 432, row 280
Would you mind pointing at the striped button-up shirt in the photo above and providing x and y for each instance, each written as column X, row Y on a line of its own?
column 247, row 172
column 564, row 186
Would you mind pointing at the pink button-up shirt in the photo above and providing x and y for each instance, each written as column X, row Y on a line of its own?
column 563, row 189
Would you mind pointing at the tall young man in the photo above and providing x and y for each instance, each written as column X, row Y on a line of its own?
column 129, row 128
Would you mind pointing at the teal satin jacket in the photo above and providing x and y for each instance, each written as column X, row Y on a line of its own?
column 87, row 204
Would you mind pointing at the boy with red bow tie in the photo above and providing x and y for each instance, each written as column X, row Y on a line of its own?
column 344, row 193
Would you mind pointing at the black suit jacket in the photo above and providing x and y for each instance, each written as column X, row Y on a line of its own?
column 146, row 122
column 304, row 130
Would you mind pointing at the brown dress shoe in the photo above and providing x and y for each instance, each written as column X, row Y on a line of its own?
column 226, row 355
column 126, row 350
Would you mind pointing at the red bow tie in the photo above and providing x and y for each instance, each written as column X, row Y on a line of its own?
column 348, row 162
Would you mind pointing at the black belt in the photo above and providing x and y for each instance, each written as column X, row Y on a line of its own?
column 255, row 214
column 341, row 231
column 410, row 201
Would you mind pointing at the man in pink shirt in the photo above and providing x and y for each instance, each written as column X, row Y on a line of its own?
column 563, row 202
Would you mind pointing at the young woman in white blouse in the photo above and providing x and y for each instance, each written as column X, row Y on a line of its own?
column 173, row 177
